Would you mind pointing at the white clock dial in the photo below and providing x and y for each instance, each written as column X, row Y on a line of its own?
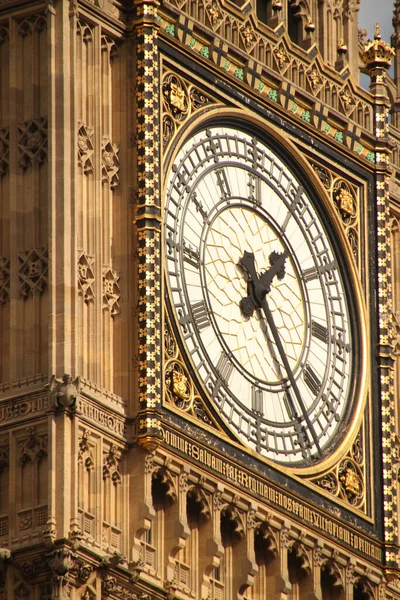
column 272, row 345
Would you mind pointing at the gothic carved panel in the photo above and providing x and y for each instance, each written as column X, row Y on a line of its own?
column 33, row 23
column 111, row 291
column 110, row 162
column 4, row 151
column 33, row 271
column 34, row 448
column 4, row 279
column 32, row 142
column 85, row 148
column 86, row 276
column 111, row 461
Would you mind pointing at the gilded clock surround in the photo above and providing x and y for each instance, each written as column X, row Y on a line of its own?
column 342, row 491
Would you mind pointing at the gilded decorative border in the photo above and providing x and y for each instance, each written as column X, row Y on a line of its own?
column 180, row 391
column 148, row 225
column 328, row 98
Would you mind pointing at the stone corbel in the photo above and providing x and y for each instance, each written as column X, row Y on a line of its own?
column 60, row 561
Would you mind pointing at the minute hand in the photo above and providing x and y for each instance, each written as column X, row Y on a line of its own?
column 282, row 354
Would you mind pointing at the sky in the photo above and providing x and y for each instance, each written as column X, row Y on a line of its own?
column 372, row 11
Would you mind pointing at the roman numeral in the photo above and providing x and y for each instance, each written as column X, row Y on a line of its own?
column 287, row 401
column 319, row 331
column 224, row 367
column 311, row 379
column 257, row 400
column 310, row 274
column 223, row 183
column 296, row 202
column 200, row 315
column 191, row 255
column 254, row 186
column 199, row 207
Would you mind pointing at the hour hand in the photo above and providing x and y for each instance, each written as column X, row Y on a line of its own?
column 258, row 286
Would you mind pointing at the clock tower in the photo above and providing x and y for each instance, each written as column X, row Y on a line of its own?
column 199, row 301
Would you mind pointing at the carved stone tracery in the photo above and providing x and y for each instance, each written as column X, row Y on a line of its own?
column 34, row 448
column 4, row 151
column 110, row 162
column 85, row 148
column 111, row 465
column 33, row 23
column 111, row 291
column 86, row 276
column 4, row 279
column 32, row 142
column 33, row 272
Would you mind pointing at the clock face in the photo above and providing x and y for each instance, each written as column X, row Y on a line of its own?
column 258, row 296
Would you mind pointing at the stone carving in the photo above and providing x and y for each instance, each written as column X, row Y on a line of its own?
column 110, row 465
column 25, row 521
column 248, row 35
column 85, row 455
column 86, row 276
column 32, row 142
column 33, row 271
column 85, row 31
column 4, row 279
column 109, row 45
column 314, row 78
column 34, row 23
column 347, row 101
column 34, row 448
column 85, row 148
column 66, row 390
column 282, row 58
column 110, row 162
column 4, row 151
column 232, row 515
column 111, row 291
column 214, row 14
column 109, row 585
column 201, row 500
column 61, row 561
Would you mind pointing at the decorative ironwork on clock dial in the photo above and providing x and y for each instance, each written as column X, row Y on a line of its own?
column 259, row 296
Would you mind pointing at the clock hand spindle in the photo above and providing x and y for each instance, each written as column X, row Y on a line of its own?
column 259, row 287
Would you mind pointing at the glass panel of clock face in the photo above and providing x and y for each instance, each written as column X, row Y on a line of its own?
column 279, row 373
